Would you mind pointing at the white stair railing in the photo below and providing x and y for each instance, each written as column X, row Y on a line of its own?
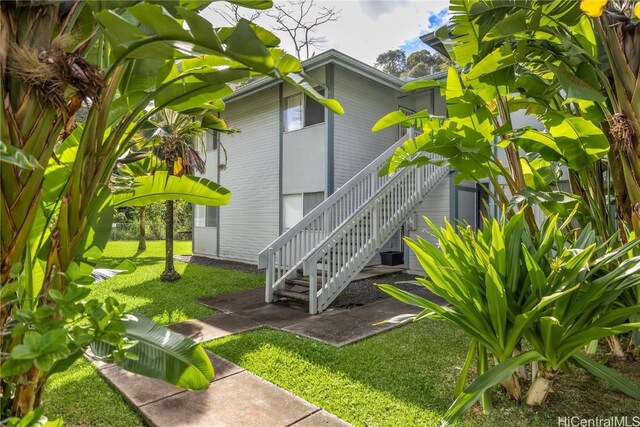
column 333, row 264
column 284, row 256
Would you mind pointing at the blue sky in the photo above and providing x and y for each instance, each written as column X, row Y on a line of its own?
column 435, row 20
column 367, row 28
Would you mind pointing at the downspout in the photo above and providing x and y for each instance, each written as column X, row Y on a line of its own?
column 280, row 157
column 330, row 120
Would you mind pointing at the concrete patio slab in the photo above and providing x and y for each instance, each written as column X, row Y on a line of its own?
column 236, row 302
column 321, row 418
column 276, row 315
column 342, row 327
column 216, row 326
column 141, row 390
column 250, row 304
column 242, row 399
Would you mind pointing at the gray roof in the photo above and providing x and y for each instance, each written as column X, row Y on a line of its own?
column 331, row 56
column 434, row 43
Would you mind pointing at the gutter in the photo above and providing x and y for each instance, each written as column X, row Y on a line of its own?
column 331, row 56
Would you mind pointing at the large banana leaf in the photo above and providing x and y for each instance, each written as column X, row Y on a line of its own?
column 580, row 141
column 162, row 354
column 161, row 186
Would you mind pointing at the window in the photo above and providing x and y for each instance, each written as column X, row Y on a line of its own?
column 211, row 216
column 206, row 216
column 301, row 111
column 402, row 131
column 295, row 206
column 210, row 141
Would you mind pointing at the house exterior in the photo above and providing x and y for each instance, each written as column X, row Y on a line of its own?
column 291, row 154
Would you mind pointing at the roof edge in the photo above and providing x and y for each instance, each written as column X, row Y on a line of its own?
column 330, row 56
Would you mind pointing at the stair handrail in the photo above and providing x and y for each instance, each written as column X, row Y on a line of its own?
column 311, row 260
column 308, row 259
column 374, row 166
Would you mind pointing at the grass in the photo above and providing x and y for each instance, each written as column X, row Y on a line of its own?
column 145, row 294
column 79, row 395
column 404, row 377
column 399, row 378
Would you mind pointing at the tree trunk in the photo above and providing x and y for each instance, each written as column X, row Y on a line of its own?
column 24, row 400
column 142, row 242
column 512, row 385
column 169, row 274
column 616, row 348
column 541, row 387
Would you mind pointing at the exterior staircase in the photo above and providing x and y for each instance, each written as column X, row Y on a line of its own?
column 317, row 258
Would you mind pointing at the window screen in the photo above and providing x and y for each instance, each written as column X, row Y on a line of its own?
column 211, row 219
column 210, row 141
column 310, row 201
column 313, row 111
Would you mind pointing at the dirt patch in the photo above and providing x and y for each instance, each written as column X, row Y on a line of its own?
column 231, row 265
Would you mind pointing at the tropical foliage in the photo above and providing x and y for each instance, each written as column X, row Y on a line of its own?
column 578, row 75
column 505, row 288
column 124, row 61
column 174, row 140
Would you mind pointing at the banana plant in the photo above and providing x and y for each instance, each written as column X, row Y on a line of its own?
column 124, row 61
column 503, row 286
column 545, row 59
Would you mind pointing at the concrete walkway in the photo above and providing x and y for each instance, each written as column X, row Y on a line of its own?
column 237, row 397
column 335, row 326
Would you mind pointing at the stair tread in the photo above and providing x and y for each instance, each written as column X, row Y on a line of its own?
column 302, row 296
column 298, row 282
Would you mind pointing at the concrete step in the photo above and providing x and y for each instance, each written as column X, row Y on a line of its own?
column 299, row 296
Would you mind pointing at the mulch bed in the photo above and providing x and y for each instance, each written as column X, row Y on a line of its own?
column 357, row 294
column 231, row 265
column 363, row 292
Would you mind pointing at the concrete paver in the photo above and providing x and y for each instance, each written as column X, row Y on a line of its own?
column 212, row 327
column 141, row 390
column 239, row 400
column 321, row 418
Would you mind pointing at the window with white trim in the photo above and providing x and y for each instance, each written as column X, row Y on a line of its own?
column 206, row 216
column 295, row 206
column 301, row 110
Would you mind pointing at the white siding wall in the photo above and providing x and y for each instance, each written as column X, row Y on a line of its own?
column 364, row 102
column 435, row 206
column 251, row 221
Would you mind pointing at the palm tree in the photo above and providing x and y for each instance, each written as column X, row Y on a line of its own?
column 174, row 139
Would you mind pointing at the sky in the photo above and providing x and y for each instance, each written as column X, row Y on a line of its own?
column 367, row 28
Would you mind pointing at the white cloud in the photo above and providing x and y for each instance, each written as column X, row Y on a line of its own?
column 377, row 8
column 367, row 28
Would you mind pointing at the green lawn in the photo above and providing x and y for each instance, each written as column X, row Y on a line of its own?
column 80, row 395
column 403, row 377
